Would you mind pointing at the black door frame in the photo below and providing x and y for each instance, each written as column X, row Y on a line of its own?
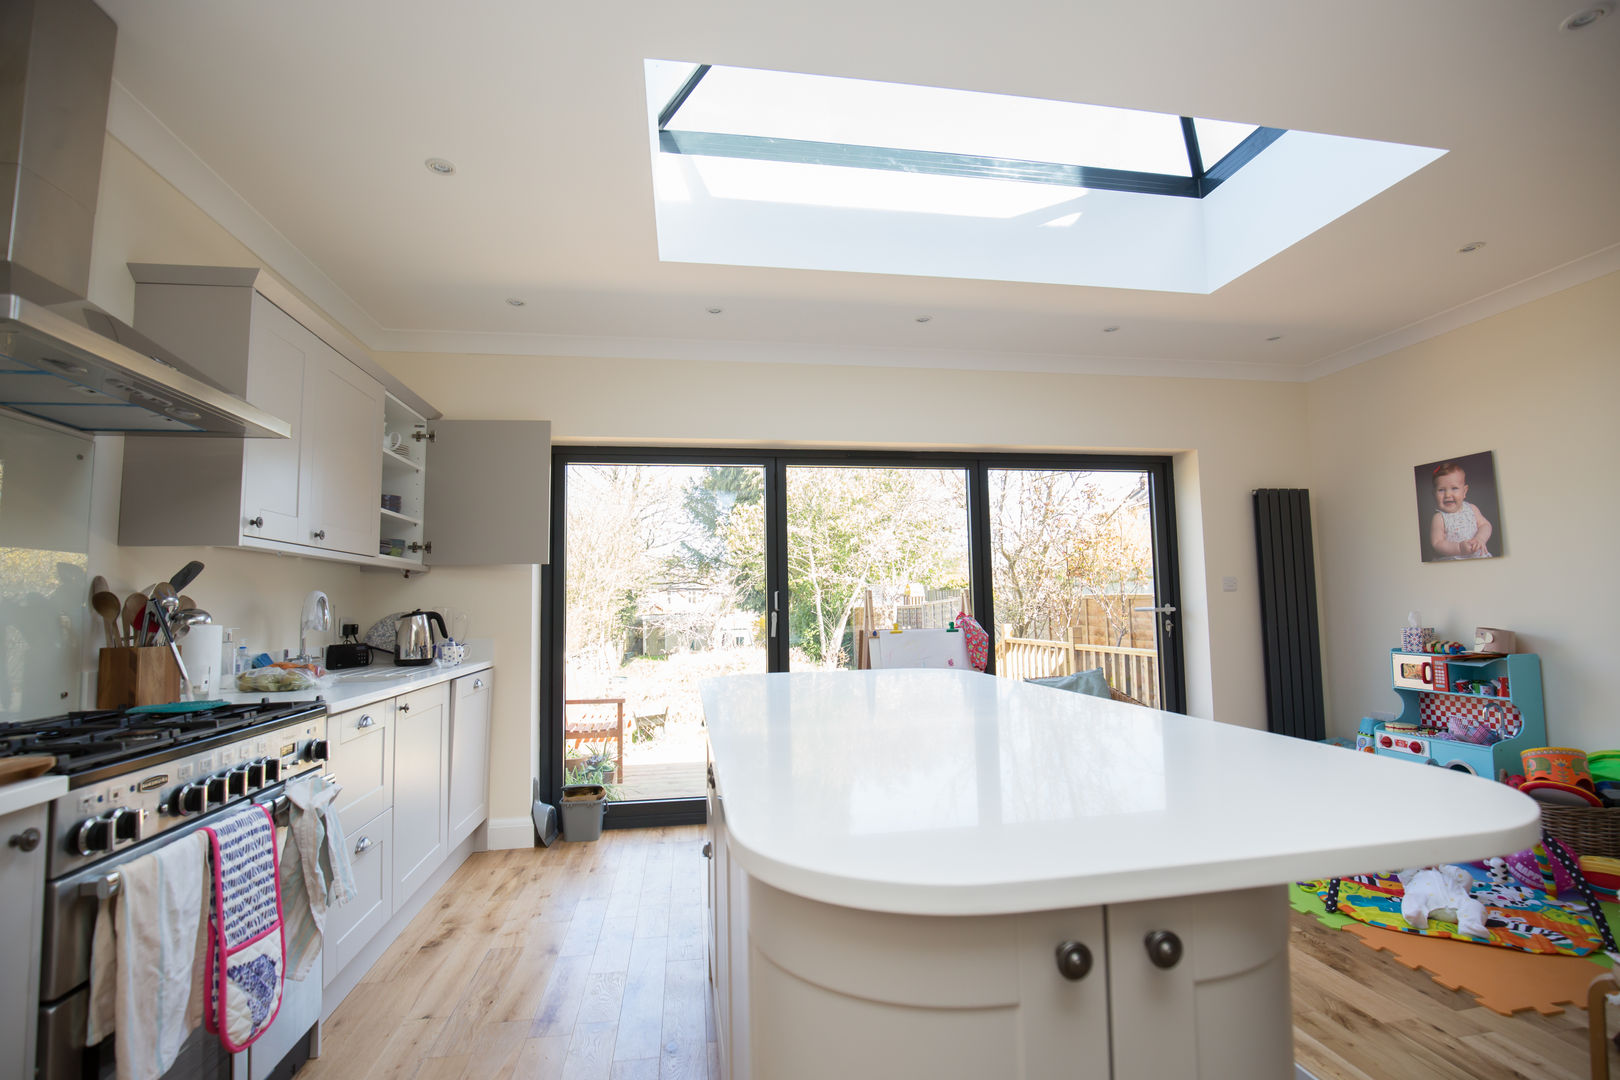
column 691, row 811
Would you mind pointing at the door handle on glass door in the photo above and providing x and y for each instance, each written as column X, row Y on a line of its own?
column 1166, row 610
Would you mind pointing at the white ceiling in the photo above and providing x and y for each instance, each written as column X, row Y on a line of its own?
column 319, row 116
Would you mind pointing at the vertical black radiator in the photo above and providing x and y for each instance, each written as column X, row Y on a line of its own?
column 1282, row 531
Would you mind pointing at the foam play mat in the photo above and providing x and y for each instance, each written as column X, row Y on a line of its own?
column 1502, row 980
column 1523, row 921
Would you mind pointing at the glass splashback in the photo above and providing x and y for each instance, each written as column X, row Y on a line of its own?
column 44, row 580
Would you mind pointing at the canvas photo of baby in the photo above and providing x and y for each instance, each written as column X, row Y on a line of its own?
column 1458, row 512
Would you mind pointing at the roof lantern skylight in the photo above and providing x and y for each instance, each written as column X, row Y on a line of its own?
column 752, row 114
column 815, row 172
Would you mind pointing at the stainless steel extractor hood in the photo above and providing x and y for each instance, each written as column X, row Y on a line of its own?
column 62, row 358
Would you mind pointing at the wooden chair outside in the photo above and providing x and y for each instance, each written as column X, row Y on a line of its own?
column 591, row 726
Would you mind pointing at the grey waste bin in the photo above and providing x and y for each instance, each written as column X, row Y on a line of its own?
column 583, row 807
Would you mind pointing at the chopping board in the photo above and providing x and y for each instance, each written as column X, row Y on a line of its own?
column 16, row 769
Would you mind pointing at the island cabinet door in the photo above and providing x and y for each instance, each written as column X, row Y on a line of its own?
column 836, row 992
column 1199, row 987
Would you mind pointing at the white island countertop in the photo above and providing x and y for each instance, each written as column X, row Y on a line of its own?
column 941, row 792
column 354, row 687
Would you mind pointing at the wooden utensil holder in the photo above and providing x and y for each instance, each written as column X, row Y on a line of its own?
column 130, row 675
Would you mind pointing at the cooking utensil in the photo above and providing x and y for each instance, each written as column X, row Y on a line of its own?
column 134, row 608
column 105, row 603
column 185, row 575
column 159, row 608
column 181, row 622
column 186, row 602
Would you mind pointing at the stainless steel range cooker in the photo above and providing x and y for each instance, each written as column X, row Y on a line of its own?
column 136, row 782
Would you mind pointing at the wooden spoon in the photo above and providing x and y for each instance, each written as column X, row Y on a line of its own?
column 105, row 603
column 134, row 608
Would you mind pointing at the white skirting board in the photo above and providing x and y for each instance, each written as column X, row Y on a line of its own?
column 509, row 832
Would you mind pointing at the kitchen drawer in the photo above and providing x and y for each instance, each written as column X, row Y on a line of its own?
column 350, row 926
column 426, row 698
column 361, row 751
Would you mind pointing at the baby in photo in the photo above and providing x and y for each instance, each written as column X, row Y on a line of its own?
column 1458, row 530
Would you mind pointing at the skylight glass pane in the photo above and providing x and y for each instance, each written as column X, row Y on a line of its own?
column 819, row 108
column 1217, row 138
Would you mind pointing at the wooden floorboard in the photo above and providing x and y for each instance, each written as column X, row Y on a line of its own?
column 588, row 961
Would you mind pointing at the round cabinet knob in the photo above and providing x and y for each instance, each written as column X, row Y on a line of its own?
column 319, row 534
column 27, row 840
column 257, row 522
column 708, row 851
column 1163, row 948
column 1073, row 960
column 404, row 706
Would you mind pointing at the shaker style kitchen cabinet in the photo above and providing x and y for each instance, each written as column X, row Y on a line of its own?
column 22, row 888
column 470, row 698
column 421, row 787
column 353, row 482
column 314, row 491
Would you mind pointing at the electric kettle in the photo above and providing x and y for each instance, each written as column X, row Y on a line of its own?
column 413, row 637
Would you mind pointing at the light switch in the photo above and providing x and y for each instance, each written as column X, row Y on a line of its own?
column 1228, row 584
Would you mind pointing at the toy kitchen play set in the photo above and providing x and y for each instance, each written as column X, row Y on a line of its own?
column 1473, row 710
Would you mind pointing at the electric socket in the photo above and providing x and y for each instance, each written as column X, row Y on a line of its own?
column 1229, row 584
column 350, row 629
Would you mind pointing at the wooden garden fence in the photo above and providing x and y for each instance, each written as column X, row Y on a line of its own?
column 1131, row 671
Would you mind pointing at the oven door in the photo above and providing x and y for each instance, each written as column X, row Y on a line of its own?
column 64, row 990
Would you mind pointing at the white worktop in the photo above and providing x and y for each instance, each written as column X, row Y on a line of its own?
column 26, row 793
column 943, row 792
column 354, row 687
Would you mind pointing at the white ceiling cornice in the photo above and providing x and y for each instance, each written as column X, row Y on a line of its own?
column 1559, row 278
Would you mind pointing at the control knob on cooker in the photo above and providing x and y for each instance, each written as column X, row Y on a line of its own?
column 218, row 793
column 255, row 773
column 314, row 750
column 92, row 836
column 189, row 799
column 237, row 780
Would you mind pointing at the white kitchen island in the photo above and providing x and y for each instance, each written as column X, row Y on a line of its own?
column 944, row 874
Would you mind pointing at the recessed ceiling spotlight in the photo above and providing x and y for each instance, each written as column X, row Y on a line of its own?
column 1471, row 247
column 1110, row 329
column 440, row 166
column 516, row 301
column 1582, row 19
column 925, row 318
column 715, row 310
column 1274, row 337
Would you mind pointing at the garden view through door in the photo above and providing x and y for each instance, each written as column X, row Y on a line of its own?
column 665, row 587
column 899, row 533
column 1072, row 577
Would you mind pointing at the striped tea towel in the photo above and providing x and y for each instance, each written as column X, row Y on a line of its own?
column 246, row 958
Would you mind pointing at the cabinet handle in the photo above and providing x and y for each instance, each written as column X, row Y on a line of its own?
column 27, row 840
column 363, row 845
column 257, row 522
column 708, row 851
column 1073, row 960
column 319, row 534
column 1163, row 948
column 365, row 721
column 478, row 684
column 404, row 706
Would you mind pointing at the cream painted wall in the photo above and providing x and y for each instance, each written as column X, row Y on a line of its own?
column 1539, row 385
column 1228, row 437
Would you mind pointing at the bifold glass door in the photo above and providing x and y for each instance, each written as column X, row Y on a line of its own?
column 670, row 567
column 1073, row 577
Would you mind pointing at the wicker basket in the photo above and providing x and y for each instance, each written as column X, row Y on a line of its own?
column 1584, row 830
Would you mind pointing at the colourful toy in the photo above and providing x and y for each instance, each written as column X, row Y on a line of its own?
column 1560, row 764
column 1470, row 732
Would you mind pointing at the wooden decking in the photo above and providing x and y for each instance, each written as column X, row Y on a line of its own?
column 666, row 780
column 588, row 961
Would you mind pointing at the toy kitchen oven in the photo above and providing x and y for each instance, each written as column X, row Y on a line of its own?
column 1471, row 712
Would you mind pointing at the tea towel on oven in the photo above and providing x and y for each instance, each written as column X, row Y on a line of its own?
column 245, row 948
column 315, row 871
column 148, row 938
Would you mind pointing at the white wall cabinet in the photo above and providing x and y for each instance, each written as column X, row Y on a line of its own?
column 316, row 490
column 421, row 786
column 486, row 501
column 470, row 698
column 22, row 894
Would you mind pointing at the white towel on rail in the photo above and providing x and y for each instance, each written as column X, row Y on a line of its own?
column 145, row 978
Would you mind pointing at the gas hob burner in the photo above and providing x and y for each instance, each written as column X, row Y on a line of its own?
column 94, row 740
